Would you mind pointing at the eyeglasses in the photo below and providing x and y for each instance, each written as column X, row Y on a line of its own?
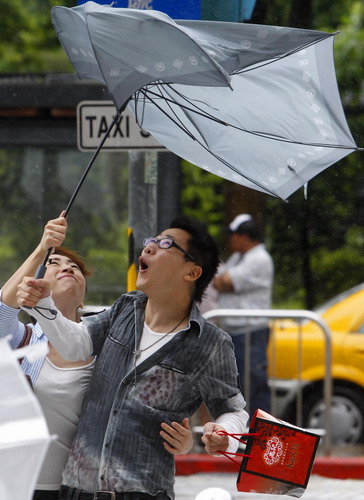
column 167, row 243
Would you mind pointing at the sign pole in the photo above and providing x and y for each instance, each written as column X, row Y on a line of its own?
column 142, row 204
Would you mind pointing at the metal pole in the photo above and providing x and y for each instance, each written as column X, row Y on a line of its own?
column 168, row 189
column 142, row 202
column 273, row 369
column 299, row 413
column 246, row 369
column 299, row 315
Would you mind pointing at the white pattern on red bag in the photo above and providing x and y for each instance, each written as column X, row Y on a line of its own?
column 273, row 451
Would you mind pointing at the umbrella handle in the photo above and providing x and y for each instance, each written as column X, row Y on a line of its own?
column 42, row 267
column 40, row 272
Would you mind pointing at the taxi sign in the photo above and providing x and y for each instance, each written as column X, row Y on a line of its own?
column 94, row 119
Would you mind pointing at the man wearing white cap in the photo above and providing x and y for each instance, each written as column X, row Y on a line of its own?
column 245, row 282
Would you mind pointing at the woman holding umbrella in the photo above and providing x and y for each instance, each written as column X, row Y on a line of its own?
column 60, row 385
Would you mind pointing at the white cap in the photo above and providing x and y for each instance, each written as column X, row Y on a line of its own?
column 213, row 494
column 239, row 219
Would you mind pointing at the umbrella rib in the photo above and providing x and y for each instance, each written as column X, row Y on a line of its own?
column 299, row 143
column 259, row 134
column 136, row 98
column 200, row 112
column 221, row 122
column 169, row 85
column 176, row 120
column 169, row 101
column 224, row 162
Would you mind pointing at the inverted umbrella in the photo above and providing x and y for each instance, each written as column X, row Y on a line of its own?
column 258, row 105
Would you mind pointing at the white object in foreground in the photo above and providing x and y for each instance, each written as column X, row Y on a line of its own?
column 24, row 435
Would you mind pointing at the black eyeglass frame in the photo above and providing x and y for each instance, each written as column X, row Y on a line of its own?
column 157, row 241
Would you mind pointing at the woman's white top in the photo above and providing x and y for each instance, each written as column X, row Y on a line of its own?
column 60, row 392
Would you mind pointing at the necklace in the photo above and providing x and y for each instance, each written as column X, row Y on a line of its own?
column 137, row 352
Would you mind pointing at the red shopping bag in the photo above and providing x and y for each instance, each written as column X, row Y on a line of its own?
column 279, row 457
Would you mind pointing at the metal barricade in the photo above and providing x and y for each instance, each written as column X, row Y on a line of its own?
column 299, row 316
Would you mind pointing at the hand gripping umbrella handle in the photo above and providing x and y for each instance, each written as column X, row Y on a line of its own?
column 40, row 272
column 42, row 268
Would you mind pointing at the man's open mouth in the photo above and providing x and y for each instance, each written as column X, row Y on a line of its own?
column 142, row 265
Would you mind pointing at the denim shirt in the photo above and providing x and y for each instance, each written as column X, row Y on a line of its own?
column 118, row 446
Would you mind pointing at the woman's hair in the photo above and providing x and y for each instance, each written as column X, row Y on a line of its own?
column 76, row 258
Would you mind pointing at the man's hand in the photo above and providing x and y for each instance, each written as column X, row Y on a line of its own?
column 54, row 233
column 178, row 438
column 30, row 290
column 213, row 441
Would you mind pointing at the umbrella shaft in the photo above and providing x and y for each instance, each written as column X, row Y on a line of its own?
column 73, row 197
column 42, row 268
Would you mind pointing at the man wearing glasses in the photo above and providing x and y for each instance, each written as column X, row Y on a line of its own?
column 157, row 361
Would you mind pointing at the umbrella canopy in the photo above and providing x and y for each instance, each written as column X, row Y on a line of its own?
column 257, row 105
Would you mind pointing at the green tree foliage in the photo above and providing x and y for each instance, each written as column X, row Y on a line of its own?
column 28, row 43
column 202, row 197
column 349, row 54
column 13, row 201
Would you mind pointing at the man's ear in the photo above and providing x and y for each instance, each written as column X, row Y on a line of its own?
column 194, row 273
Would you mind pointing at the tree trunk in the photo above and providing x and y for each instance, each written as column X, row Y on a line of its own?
column 240, row 199
column 301, row 14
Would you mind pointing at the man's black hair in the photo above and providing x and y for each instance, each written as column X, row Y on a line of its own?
column 203, row 248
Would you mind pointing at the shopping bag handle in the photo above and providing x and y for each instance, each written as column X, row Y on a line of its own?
column 228, row 453
column 247, row 434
